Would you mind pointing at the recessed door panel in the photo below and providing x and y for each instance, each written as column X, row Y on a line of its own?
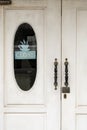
column 26, row 57
column 81, row 58
column 25, row 121
column 81, row 122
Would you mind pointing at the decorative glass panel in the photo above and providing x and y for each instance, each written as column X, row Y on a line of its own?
column 25, row 56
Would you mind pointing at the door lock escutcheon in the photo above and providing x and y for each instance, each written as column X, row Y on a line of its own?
column 65, row 90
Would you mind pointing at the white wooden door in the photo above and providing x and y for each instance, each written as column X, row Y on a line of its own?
column 42, row 107
column 39, row 107
column 74, row 47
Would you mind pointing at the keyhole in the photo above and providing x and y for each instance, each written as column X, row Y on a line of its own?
column 65, row 96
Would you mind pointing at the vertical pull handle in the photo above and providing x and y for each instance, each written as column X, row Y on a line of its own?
column 5, row 2
column 55, row 73
column 66, row 72
column 66, row 89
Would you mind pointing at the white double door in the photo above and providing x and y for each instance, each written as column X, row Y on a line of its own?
column 58, row 36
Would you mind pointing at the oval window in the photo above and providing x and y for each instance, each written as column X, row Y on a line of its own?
column 25, row 56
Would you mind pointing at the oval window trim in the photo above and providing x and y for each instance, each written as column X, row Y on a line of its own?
column 25, row 56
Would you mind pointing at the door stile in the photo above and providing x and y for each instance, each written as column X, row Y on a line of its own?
column 68, row 51
column 1, row 70
column 53, row 41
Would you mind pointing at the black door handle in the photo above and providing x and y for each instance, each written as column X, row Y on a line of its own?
column 55, row 73
column 66, row 89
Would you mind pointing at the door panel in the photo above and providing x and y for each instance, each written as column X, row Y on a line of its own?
column 81, row 122
column 81, row 57
column 74, row 46
column 13, row 94
column 25, row 121
column 38, row 108
column 30, row 3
